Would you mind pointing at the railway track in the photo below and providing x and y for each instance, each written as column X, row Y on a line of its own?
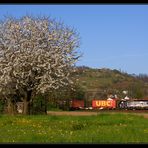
column 89, row 113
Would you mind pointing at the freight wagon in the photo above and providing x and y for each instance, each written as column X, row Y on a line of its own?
column 76, row 104
column 137, row 104
column 104, row 104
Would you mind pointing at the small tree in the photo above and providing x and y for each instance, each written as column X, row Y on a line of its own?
column 36, row 56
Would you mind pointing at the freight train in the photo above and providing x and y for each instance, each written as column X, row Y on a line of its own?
column 110, row 104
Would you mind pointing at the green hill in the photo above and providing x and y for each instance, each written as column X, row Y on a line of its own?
column 102, row 82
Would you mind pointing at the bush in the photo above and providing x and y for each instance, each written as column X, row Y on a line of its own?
column 2, row 104
column 39, row 105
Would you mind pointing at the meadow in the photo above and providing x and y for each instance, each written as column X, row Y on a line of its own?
column 104, row 128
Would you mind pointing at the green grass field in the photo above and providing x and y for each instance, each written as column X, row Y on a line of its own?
column 103, row 128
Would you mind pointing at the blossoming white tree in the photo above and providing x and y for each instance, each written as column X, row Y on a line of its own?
column 36, row 55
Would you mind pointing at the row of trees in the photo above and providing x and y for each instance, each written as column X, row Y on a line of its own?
column 37, row 56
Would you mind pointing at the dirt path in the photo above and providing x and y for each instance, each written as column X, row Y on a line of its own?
column 88, row 113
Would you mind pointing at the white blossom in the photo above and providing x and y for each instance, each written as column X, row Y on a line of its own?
column 36, row 54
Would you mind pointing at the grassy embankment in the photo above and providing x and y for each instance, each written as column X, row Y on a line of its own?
column 96, row 129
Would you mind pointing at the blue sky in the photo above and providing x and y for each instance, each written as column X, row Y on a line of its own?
column 112, row 36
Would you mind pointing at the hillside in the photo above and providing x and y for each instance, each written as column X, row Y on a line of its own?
column 103, row 82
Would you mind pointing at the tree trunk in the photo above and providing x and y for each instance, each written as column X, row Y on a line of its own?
column 11, row 108
column 45, row 104
column 27, row 99
column 26, row 107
